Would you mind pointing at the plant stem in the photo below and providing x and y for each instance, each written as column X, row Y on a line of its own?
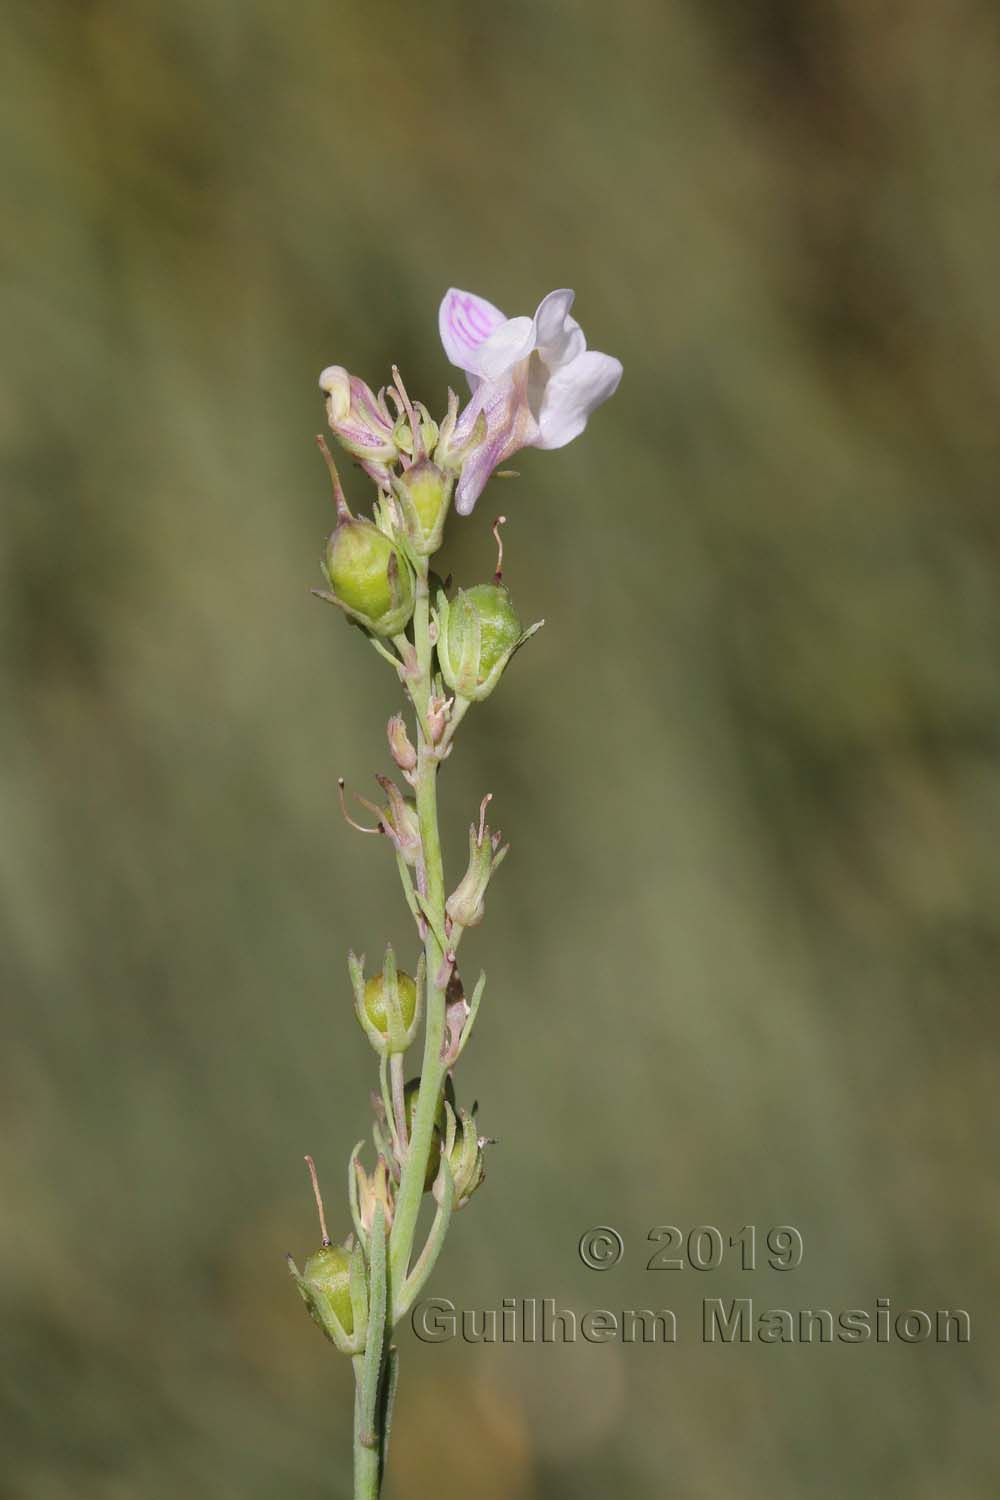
column 367, row 1478
column 398, row 1097
column 411, row 1186
column 367, row 1462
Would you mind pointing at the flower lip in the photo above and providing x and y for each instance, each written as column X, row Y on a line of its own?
column 572, row 393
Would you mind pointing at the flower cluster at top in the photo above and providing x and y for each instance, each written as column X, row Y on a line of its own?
column 533, row 383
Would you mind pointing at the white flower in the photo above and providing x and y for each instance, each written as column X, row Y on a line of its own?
column 534, row 380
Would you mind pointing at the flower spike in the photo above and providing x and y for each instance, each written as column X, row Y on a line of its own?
column 532, row 383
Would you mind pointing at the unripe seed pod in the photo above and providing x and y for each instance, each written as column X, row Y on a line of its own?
column 327, row 1275
column 388, row 1005
column 466, row 1160
column 498, row 623
column 376, row 1005
column 424, row 495
column 465, row 1157
column 428, row 489
column 478, row 633
column 369, row 577
column 333, row 1285
column 410, row 1095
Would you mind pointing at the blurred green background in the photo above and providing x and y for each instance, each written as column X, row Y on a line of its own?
column 742, row 957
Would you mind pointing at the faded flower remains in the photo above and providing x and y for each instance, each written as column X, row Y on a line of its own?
column 533, row 383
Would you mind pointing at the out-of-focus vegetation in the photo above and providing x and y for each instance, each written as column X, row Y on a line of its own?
column 743, row 955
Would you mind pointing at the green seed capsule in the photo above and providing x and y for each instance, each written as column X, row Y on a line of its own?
column 499, row 627
column 468, row 1167
column 375, row 1001
column 428, row 487
column 369, row 577
column 327, row 1277
column 424, row 495
column 387, row 1006
column 479, row 631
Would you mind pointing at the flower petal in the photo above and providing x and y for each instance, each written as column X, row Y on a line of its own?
column 465, row 322
column 572, row 393
column 510, row 426
column 336, row 382
column 476, row 471
column 512, row 342
column 559, row 337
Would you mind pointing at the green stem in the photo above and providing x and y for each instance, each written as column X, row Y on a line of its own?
column 411, row 1187
column 414, row 1283
column 366, row 1460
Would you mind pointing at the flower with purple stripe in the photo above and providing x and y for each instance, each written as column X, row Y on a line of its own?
column 533, row 380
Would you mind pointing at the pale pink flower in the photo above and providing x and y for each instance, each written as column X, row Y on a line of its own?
column 533, row 379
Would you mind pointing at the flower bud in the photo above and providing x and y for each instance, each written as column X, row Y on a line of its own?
column 438, row 715
column 372, row 1191
column 478, row 633
column 387, row 1005
column 400, row 747
column 466, row 904
column 459, row 437
column 360, row 421
column 369, row 577
column 424, row 495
